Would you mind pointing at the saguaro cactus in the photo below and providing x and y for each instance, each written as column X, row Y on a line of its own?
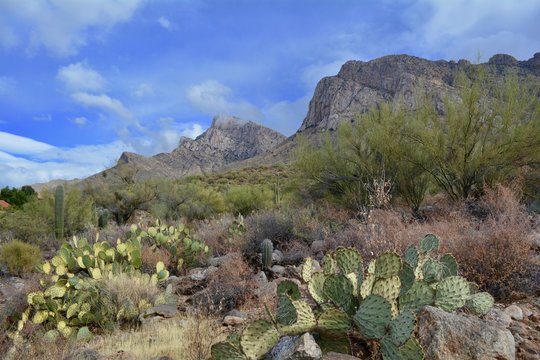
column 59, row 212
column 267, row 249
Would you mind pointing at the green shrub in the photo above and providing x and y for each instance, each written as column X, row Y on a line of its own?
column 245, row 199
column 19, row 257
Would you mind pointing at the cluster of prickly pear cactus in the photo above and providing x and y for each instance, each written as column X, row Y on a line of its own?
column 72, row 298
column 178, row 241
column 378, row 303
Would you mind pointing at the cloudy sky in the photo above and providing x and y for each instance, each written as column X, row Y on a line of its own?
column 83, row 80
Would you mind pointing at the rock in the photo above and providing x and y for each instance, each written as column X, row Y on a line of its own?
column 260, row 279
column 83, row 353
column 338, row 356
column 499, row 316
column 228, row 139
column 317, row 246
column 514, row 312
column 234, row 317
column 296, row 348
column 201, row 274
column 448, row 336
column 220, row 260
column 159, row 311
column 278, row 270
column 277, row 257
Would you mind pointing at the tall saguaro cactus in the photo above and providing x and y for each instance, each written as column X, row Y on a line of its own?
column 267, row 248
column 59, row 212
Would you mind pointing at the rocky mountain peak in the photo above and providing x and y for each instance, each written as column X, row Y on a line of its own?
column 360, row 85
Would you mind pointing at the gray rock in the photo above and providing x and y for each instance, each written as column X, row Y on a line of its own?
column 234, row 317
column 201, row 274
column 448, row 336
column 163, row 310
column 260, row 279
column 514, row 312
column 278, row 270
column 220, row 260
column 83, row 353
column 277, row 257
column 317, row 246
column 296, row 348
column 499, row 317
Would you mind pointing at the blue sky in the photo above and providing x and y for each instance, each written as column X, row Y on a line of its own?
column 83, row 80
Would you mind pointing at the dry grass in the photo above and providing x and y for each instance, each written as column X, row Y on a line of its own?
column 215, row 234
column 150, row 257
column 188, row 338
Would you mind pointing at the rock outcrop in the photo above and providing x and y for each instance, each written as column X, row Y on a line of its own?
column 360, row 85
column 228, row 140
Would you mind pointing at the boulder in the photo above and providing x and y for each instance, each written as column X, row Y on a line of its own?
column 234, row 317
column 278, row 270
column 449, row 336
column 296, row 348
column 277, row 257
column 514, row 312
column 158, row 312
column 201, row 274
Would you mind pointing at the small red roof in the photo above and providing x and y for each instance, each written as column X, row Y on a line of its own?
column 4, row 204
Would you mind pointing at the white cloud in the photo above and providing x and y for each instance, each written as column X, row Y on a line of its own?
column 315, row 72
column 143, row 90
column 104, row 102
column 81, row 120
column 462, row 28
column 60, row 26
column 81, row 77
column 21, row 145
column 27, row 161
column 213, row 98
column 166, row 23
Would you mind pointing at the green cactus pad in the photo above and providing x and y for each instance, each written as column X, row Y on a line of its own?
column 307, row 269
column 411, row 350
column 353, row 278
column 339, row 290
column 420, row 294
column 329, row 264
column 450, row 265
column 286, row 313
column 433, row 271
column 84, row 334
column 40, row 316
column 348, row 260
column 316, row 287
column 429, row 243
column 55, row 291
column 371, row 266
column 334, row 320
column 226, row 351
column 389, row 350
column 367, row 285
column 452, row 293
column 406, row 276
column 289, row 288
column 411, row 256
column 480, row 303
column 72, row 310
column 373, row 316
column 387, row 265
column 402, row 327
column 258, row 338
column 330, row 342
column 51, row 335
column 388, row 288
column 305, row 319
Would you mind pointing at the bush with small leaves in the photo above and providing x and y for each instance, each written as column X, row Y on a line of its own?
column 19, row 257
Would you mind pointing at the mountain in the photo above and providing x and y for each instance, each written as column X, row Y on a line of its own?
column 359, row 85
column 228, row 140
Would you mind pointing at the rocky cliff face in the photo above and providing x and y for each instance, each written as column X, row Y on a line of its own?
column 229, row 139
column 360, row 85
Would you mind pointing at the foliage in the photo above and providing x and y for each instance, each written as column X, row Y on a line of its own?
column 379, row 304
column 486, row 133
column 17, row 197
column 74, row 300
column 34, row 223
column 19, row 257
column 185, row 251
column 246, row 199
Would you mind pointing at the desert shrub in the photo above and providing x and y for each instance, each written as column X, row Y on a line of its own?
column 222, row 235
column 276, row 225
column 151, row 256
column 231, row 286
column 19, row 257
column 17, row 197
column 245, row 199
